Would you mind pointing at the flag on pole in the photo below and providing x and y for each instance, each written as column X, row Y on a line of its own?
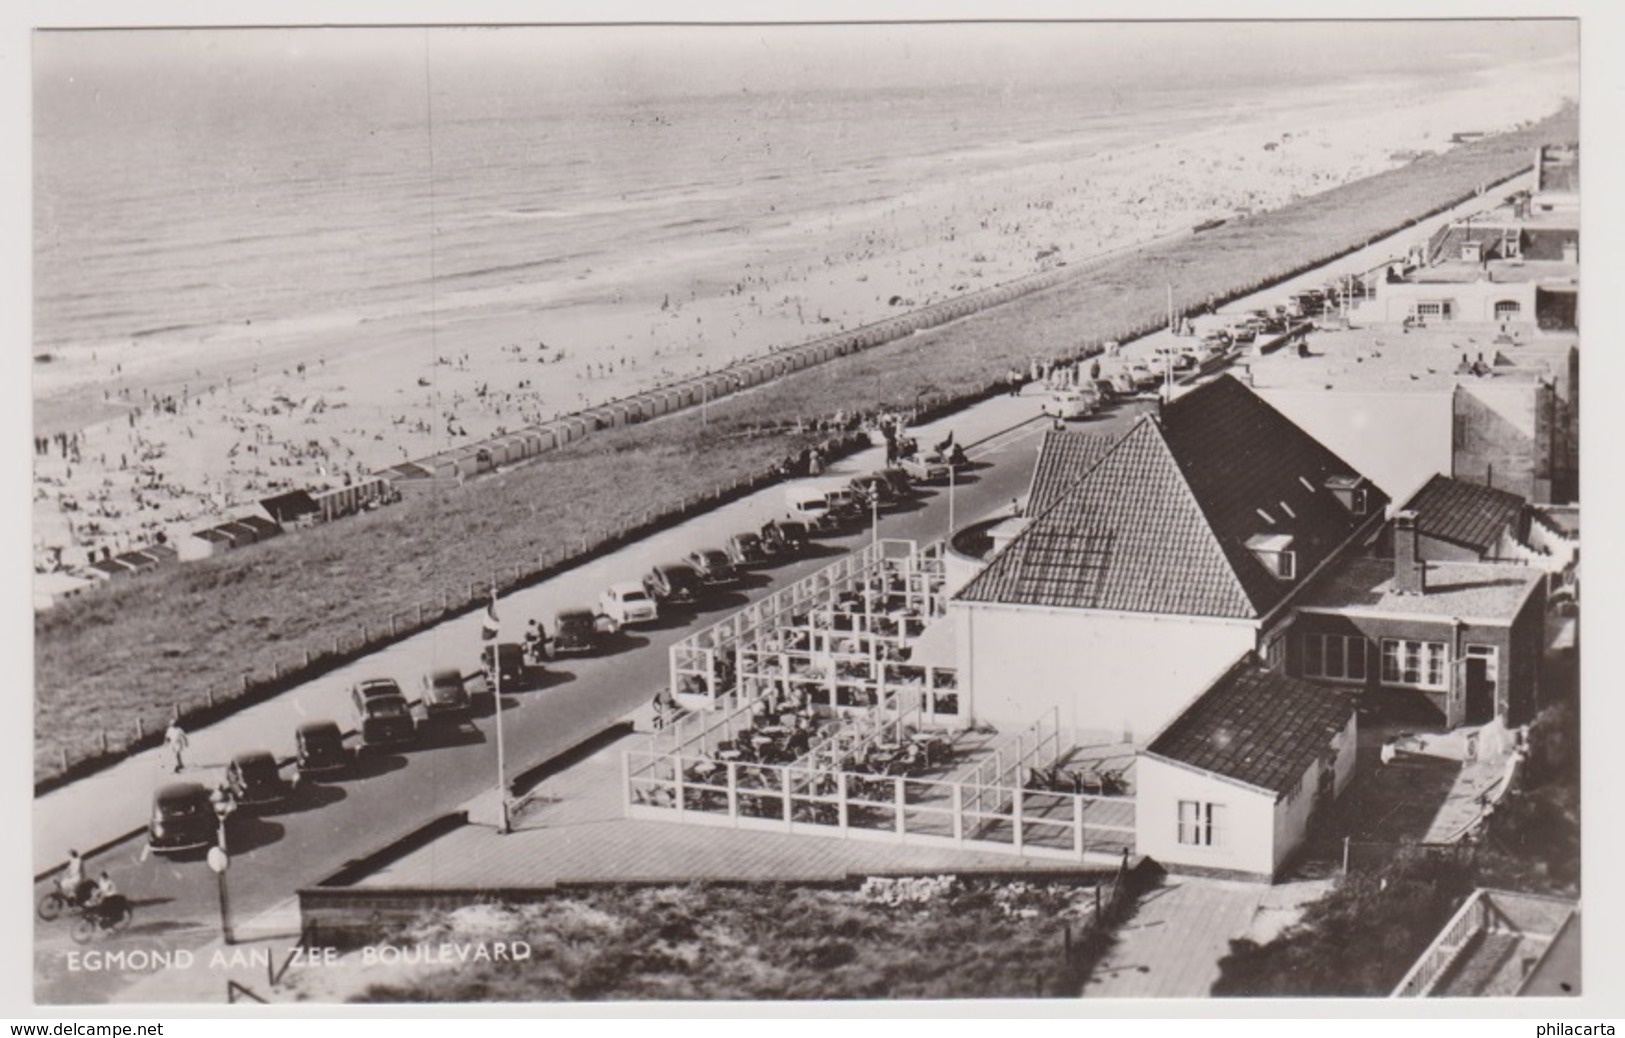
column 490, row 625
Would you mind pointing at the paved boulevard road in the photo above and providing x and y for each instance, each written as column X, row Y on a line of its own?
column 331, row 822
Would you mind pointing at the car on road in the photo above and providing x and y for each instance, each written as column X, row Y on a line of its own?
column 626, row 604
column 575, row 632
column 926, row 469
column 873, row 488
column 319, row 747
column 746, row 549
column 1068, row 404
column 808, row 503
column 671, row 582
column 253, row 779
column 183, row 818
column 786, row 537
column 901, row 486
column 844, row 504
column 444, row 695
column 504, row 664
column 382, row 715
column 713, row 566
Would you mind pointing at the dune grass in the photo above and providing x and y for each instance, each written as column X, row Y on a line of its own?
column 978, row 940
column 126, row 656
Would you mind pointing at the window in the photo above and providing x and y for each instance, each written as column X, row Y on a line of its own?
column 1440, row 308
column 1507, row 308
column 1275, row 653
column 1412, row 664
column 1336, row 657
column 1200, row 824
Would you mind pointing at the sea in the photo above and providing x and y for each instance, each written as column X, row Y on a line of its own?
column 187, row 182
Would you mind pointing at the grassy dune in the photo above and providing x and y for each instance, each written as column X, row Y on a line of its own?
column 126, row 656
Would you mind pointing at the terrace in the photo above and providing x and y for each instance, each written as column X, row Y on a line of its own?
column 809, row 718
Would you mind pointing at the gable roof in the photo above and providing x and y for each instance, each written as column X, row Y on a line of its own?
column 1465, row 514
column 1161, row 523
column 1255, row 726
column 1065, row 457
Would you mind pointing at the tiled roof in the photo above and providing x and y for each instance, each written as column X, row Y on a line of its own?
column 1161, row 523
column 1066, row 457
column 1464, row 513
column 1256, row 726
column 1129, row 536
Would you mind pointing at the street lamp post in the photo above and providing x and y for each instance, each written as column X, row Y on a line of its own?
column 219, row 863
column 951, row 482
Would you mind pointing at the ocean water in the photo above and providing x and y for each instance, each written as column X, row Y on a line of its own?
column 190, row 182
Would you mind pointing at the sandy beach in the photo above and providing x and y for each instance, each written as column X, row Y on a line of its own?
column 155, row 436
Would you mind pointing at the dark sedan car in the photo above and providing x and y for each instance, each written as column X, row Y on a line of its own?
column 444, row 695
column 786, row 536
column 183, row 818
column 575, row 632
column 253, row 778
column 714, row 567
column 505, row 663
column 746, row 548
column 319, row 746
column 672, row 582
column 381, row 713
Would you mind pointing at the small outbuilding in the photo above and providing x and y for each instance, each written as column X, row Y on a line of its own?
column 1231, row 785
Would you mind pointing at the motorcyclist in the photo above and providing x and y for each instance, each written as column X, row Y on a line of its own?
column 535, row 642
column 104, row 902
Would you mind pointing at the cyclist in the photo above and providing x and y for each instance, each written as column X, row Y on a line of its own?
column 73, row 884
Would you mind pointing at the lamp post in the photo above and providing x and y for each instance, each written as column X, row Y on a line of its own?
column 218, row 862
column 491, row 632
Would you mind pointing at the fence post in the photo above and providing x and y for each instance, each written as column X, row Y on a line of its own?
column 208, row 697
column 840, row 794
column 140, row 730
column 959, row 813
column 1077, row 825
column 1015, row 809
column 897, row 802
column 733, row 792
column 784, row 786
column 245, row 682
column 307, row 659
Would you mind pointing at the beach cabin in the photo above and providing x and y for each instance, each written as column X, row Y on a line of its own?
column 51, row 589
column 202, row 544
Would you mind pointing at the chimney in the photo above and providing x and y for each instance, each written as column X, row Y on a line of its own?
column 1410, row 572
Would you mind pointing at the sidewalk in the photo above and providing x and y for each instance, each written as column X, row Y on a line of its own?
column 1171, row 946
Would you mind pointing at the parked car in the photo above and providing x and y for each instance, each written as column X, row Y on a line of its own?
column 784, row 537
column 319, row 747
column 575, row 632
column 745, row 549
column 623, row 605
column 844, row 504
column 714, row 567
column 253, row 779
column 808, row 503
column 1068, row 404
column 381, row 712
column 183, row 818
column 444, row 694
column 901, row 486
column 871, row 487
column 504, row 664
column 672, row 582
column 925, row 470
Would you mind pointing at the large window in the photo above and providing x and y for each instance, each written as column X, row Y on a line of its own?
column 1336, row 657
column 1201, row 824
column 1506, row 309
column 1414, row 664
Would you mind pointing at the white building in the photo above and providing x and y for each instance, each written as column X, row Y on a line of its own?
column 1179, row 551
column 1231, row 785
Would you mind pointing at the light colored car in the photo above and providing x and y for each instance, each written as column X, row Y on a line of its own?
column 809, row 504
column 623, row 605
column 1067, row 404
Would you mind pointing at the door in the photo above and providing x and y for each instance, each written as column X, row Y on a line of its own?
column 1480, row 691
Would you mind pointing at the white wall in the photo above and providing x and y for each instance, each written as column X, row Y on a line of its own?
column 1398, row 440
column 1247, row 843
column 1110, row 675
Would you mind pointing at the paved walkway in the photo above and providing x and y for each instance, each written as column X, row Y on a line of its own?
column 1171, row 947
column 573, row 828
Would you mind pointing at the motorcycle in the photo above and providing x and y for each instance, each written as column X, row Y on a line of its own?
column 56, row 901
column 109, row 916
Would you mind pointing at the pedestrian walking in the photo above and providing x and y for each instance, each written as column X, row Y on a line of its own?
column 176, row 742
